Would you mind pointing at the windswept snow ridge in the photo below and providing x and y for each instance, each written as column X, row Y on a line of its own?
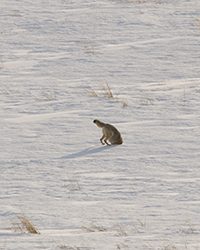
column 55, row 59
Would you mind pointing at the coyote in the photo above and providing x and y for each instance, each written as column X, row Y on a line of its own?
column 109, row 133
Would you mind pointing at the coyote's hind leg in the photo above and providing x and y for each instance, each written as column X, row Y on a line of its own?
column 107, row 143
column 107, row 138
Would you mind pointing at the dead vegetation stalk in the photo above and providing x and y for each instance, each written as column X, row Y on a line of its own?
column 106, row 92
column 24, row 225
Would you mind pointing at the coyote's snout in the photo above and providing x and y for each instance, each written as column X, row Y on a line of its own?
column 109, row 133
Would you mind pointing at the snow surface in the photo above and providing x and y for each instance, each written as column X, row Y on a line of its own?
column 144, row 194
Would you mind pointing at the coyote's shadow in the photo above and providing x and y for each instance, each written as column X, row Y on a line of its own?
column 87, row 151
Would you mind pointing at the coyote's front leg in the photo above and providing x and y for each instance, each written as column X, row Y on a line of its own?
column 102, row 139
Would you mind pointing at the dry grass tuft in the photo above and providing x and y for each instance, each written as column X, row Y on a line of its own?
column 169, row 247
column 106, row 90
column 24, row 225
column 146, row 101
column 1, row 63
column 91, row 92
column 149, row 1
column 47, row 97
column 190, row 225
column 142, row 224
column 89, row 46
column 2, row 29
column 88, row 229
column 197, row 23
column 94, row 227
column 15, row 12
column 50, row 97
column 120, row 230
column 68, row 247
column 72, row 248
column 163, row 247
column 142, row 1
column 99, row 228
column 73, row 184
column 100, row 16
column 122, row 246
column 124, row 103
column 7, row 91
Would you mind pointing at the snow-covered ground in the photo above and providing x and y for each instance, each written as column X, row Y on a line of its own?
column 144, row 194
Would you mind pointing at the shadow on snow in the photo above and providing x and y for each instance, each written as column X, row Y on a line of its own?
column 87, row 151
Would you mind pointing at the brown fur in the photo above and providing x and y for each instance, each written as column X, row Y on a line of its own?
column 109, row 133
